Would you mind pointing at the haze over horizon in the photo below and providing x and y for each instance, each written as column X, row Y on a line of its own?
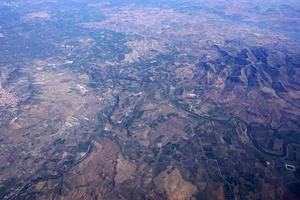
column 149, row 99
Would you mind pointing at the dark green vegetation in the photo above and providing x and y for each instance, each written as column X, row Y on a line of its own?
column 181, row 99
